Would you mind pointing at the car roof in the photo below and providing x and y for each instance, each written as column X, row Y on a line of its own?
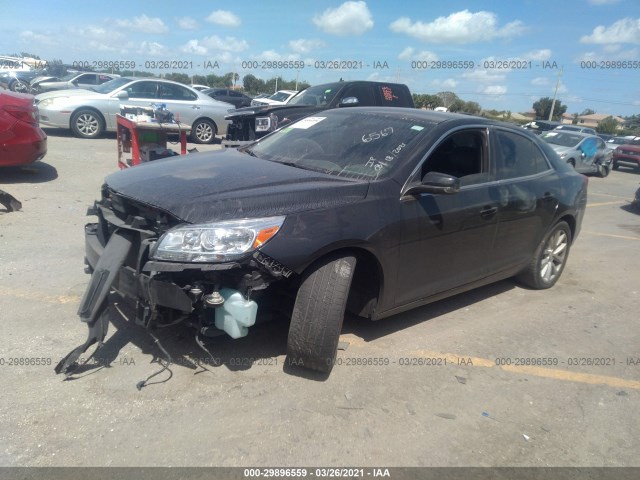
column 431, row 116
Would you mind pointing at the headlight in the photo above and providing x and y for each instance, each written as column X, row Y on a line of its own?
column 266, row 124
column 562, row 155
column 216, row 242
column 50, row 101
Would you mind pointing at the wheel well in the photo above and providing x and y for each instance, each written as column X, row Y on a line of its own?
column 571, row 221
column 366, row 284
column 94, row 110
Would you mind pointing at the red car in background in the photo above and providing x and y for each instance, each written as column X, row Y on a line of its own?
column 22, row 141
column 627, row 155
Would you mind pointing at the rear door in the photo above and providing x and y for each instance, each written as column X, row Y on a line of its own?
column 524, row 187
column 180, row 101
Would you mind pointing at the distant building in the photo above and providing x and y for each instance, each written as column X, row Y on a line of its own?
column 595, row 118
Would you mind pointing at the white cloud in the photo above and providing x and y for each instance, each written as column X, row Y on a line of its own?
column 152, row 48
column 494, row 90
column 626, row 30
column 224, row 18
column 409, row 53
column 215, row 44
column 603, row 2
column 32, row 37
column 539, row 55
column 448, row 84
column 459, row 27
column 194, row 47
column 228, row 44
column 273, row 55
column 350, row 18
column 609, row 54
column 144, row 24
column 187, row 23
column 483, row 76
column 92, row 38
column 304, row 46
column 540, row 81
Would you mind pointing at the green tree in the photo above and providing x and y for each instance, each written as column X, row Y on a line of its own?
column 473, row 108
column 199, row 80
column 587, row 111
column 178, row 77
column 252, row 84
column 607, row 125
column 424, row 100
column 447, row 98
column 542, row 108
column 456, row 106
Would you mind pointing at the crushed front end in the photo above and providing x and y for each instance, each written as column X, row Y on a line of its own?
column 207, row 275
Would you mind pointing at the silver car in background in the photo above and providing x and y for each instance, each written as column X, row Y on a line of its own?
column 88, row 80
column 89, row 113
column 586, row 153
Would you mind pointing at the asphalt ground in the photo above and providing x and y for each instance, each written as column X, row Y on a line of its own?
column 500, row 376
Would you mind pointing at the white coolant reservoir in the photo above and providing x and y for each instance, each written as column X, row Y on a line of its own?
column 236, row 313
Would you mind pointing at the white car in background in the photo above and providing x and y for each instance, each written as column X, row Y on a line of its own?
column 89, row 113
column 279, row 98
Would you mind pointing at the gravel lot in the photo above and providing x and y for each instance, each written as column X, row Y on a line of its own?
column 576, row 410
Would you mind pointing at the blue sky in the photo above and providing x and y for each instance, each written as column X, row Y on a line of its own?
column 536, row 33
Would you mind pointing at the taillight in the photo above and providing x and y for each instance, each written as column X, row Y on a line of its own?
column 24, row 114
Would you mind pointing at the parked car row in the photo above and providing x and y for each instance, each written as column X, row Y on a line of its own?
column 89, row 113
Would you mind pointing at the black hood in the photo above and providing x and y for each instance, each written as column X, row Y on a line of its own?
column 228, row 184
column 265, row 110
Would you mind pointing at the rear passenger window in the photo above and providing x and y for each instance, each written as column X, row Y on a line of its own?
column 516, row 156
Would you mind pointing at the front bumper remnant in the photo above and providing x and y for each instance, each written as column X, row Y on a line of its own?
column 94, row 301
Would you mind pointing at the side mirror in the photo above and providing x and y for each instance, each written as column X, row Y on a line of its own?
column 349, row 102
column 435, row 182
column 123, row 95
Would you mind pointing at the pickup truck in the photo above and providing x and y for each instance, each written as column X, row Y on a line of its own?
column 251, row 123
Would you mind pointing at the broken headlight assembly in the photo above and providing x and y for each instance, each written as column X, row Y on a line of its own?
column 216, row 242
column 266, row 124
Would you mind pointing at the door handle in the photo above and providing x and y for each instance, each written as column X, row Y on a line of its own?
column 488, row 211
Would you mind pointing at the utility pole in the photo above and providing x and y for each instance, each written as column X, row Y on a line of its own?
column 553, row 104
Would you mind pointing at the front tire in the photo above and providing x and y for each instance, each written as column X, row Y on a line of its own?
column 87, row 124
column 203, row 131
column 318, row 313
column 549, row 260
column 20, row 86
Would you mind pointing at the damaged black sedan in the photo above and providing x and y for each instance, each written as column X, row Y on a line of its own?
column 368, row 210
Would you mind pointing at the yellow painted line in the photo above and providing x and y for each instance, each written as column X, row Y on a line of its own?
column 573, row 376
column 534, row 371
column 27, row 295
column 601, row 204
column 624, row 237
column 606, row 195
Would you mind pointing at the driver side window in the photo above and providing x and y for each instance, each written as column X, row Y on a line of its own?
column 460, row 155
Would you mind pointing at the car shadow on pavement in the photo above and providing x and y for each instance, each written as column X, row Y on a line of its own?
column 370, row 331
column 39, row 172
column 266, row 342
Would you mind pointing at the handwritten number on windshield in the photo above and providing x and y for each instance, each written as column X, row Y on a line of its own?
column 366, row 138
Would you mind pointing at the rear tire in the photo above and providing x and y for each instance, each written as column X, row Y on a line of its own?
column 318, row 313
column 551, row 256
column 203, row 130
